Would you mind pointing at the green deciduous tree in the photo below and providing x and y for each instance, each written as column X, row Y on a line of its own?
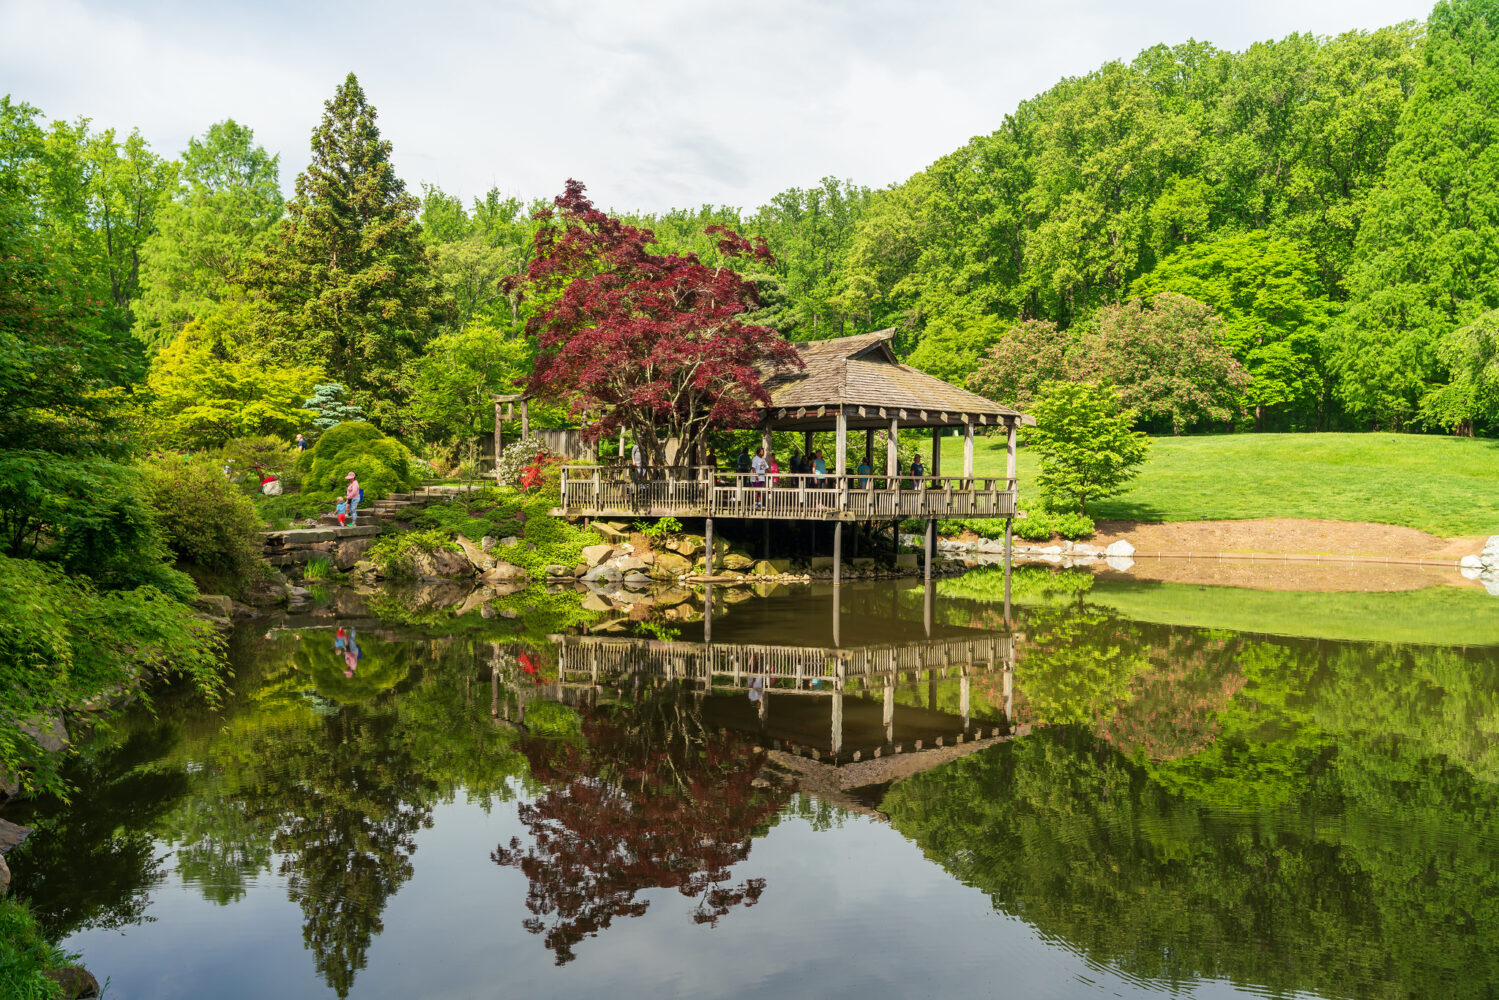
column 347, row 282
column 208, row 386
column 1086, row 442
column 1274, row 314
column 228, row 200
column 1426, row 259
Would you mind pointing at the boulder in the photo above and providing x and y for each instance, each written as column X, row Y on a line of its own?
column 503, row 572
column 215, row 604
column 687, row 545
column 603, row 573
column 737, row 562
column 75, row 981
column 609, row 532
column 11, row 834
column 672, row 564
column 1470, row 562
column 4, row 876
column 630, row 564
column 1120, row 549
column 557, row 571
column 486, row 610
column 474, row 600
column 595, row 554
column 477, row 557
column 509, row 613
column 50, row 734
column 596, row 602
column 348, row 551
column 1082, row 550
column 673, row 596
column 765, row 568
column 487, row 542
column 508, row 541
column 637, row 579
column 9, row 786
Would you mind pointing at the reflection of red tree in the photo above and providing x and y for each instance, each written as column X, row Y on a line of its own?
column 652, row 801
column 1172, row 707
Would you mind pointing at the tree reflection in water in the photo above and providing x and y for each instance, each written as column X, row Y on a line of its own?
column 649, row 798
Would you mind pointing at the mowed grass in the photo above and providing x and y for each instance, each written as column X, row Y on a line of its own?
column 1444, row 485
column 1448, row 616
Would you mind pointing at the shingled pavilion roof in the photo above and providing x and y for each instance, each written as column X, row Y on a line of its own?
column 862, row 377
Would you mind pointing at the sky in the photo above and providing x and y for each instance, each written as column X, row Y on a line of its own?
column 671, row 103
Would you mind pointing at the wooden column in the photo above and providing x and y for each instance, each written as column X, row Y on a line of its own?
column 766, row 442
column 841, row 467
column 964, row 697
column 889, row 710
column 928, row 597
column 807, row 447
column 708, row 539
column 1009, row 545
column 891, row 455
column 837, row 736
column 837, row 612
column 837, row 553
column 499, row 443
column 1010, row 424
column 869, row 448
column 622, row 456
column 708, row 614
column 525, row 421
column 931, row 543
column 937, row 451
column 967, row 451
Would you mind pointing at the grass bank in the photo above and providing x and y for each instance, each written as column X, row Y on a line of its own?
column 26, row 955
column 1444, row 485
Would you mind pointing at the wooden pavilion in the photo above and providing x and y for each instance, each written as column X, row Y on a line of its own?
column 845, row 385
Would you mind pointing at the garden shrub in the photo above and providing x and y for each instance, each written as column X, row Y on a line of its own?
column 382, row 463
column 210, row 525
column 26, row 955
column 392, row 553
column 551, row 718
column 1039, row 525
column 62, row 642
column 249, row 456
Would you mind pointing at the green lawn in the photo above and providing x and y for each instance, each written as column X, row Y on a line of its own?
column 1448, row 616
column 1444, row 485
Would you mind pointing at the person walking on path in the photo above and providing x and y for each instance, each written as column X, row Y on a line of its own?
column 353, row 494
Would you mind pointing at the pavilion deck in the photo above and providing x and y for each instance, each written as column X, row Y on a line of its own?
column 616, row 491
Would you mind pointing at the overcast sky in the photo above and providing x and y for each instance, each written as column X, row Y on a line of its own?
column 652, row 105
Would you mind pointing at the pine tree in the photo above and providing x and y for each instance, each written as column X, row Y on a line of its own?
column 348, row 282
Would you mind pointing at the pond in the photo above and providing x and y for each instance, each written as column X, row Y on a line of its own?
column 1127, row 790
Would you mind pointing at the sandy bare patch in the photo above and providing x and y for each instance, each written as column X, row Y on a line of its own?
column 1286, row 535
column 1204, row 570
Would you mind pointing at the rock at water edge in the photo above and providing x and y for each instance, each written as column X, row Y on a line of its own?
column 595, row 554
column 1120, row 549
column 76, row 982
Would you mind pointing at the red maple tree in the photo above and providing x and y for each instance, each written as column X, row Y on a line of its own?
column 652, row 342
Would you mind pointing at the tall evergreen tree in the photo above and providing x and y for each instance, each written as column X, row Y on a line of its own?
column 348, row 282
column 1427, row 256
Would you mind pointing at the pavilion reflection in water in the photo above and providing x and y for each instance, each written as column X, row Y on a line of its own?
column 837, row 704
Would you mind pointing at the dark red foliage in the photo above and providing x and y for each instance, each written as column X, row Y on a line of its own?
column 650, row 342
column 652, row 801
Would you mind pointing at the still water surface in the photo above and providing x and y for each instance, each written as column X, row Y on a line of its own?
column 1186, row 809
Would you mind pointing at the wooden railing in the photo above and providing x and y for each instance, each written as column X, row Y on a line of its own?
column 700, row 492
column 599, row 659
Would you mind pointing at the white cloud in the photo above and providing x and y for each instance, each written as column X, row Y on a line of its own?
column 671, row 103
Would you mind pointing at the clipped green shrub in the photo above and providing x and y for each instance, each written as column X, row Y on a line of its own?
column 382, row 464
column 207, row 522
column 1040, row 525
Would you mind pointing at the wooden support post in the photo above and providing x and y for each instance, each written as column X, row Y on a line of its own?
column 841, row 462
column 766, row 442
column 622, row 456
column 889, row 709
column 968, row 454
column 928, row 598
column 937, row 451
column 708, row 539
column 931, row 544
column 708, row 614
column 837, row 612
column 1009, row 536
column 1010, row 424
column 892, row 457
column 837, row 553
column 499, row 443
column 807, row 448
column 869, row 448
column 525, row 421
column 837, row 736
